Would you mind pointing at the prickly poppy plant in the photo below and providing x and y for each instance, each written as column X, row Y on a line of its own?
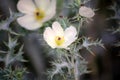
column 59, row 40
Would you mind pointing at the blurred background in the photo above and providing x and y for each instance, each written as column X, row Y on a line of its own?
column 105, row 65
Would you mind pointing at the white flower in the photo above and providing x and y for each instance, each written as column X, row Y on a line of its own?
column 56, row 37
column 36, row 13
column 86, row 12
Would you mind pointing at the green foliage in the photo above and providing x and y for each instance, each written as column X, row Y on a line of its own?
column 59, row 8
column 5, row 24
column 11, row 55
column 10, row 74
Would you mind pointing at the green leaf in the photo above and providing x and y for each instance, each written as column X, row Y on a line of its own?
column 59, row 6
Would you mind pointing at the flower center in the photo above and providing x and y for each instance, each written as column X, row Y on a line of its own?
column 59, row 40
column 39, row 14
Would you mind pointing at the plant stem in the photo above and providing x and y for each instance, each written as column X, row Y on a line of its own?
column 76, row 70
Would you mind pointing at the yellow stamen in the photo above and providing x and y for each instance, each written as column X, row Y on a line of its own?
column 39, row 14
column 59, row 40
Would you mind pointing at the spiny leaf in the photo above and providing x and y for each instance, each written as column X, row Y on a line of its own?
column 11, row 43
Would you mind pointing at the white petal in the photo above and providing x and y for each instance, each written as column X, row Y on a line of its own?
column 50, row 11
column 86, row 12
column 57, row 29
column 70, row 35
column 29, row 22
column 26, row 6
column 42, row 4
column 49, row 37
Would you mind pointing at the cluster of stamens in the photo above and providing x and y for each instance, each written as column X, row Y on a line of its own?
column 59, row 40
